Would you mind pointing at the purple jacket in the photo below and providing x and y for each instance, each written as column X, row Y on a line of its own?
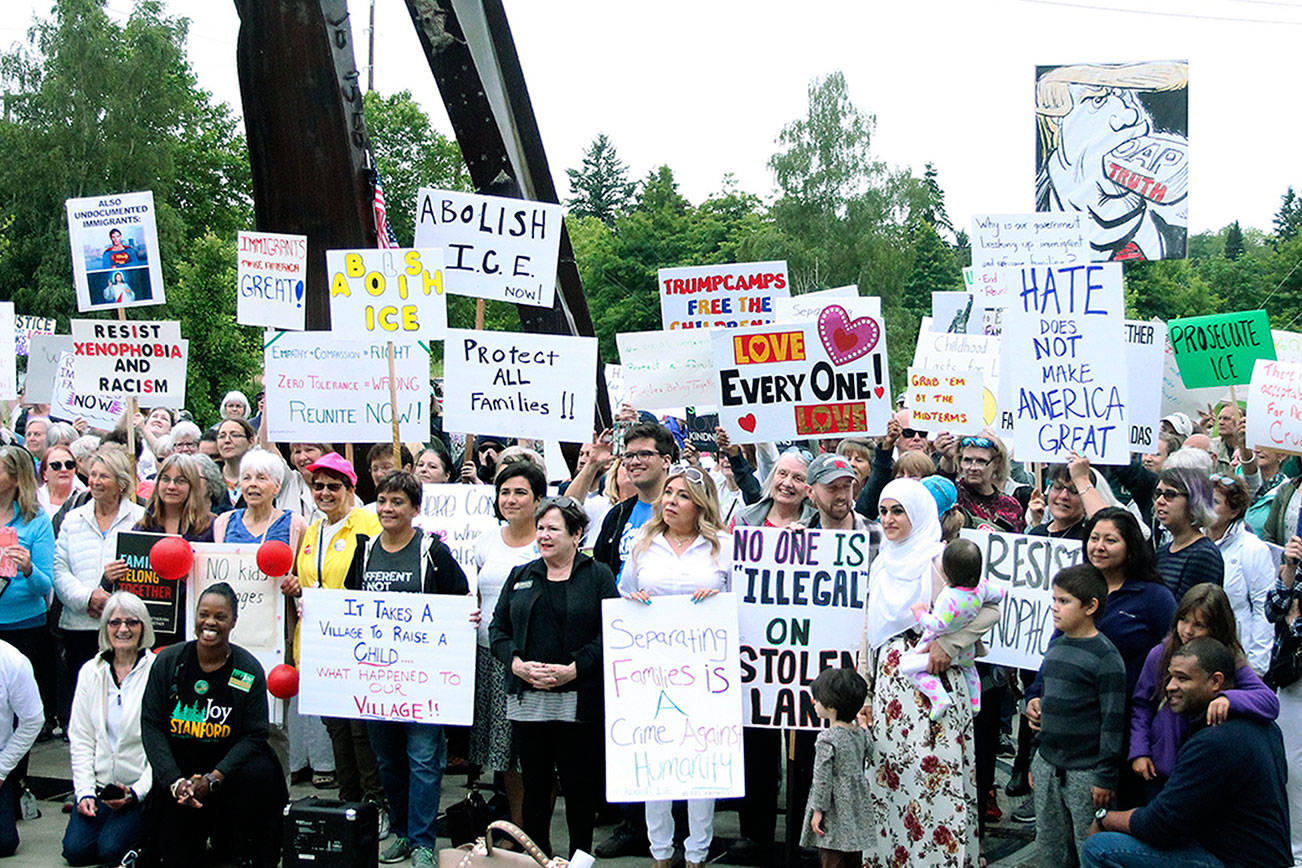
column 1159, row 732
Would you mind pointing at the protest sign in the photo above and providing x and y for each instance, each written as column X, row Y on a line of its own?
column 43, row 353
column 1275, row 406
column 673, row 699
column 1145, row 345
column 162, row 597
column 667, row 369
column 387, row 293
column 8, row 361
column 533, row 385
column 1065, row 382
column 1219, row 349
column 99, row 411
column 132, row 357
column 25, row 327
column 493, row 247
column 1288, row 345
column 338, row 392
column 260, row 628
column 802, row 611
column 700, row 430
column 957, row 312
column 721, row 296
column 803, row 379
column 962, row 355
column 458, row 514
column 616, row 391
column 1005, row 240
column 1025, row 566
column 1176, row 397
column 943, row 401
column 271, row 276
column 408, row 658
column 807, row 307
column 115, row 261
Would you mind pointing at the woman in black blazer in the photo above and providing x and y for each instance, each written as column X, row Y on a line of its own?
column 546, row 630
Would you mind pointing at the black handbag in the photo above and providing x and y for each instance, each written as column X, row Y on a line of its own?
column 1285, row 659
column 464, row 820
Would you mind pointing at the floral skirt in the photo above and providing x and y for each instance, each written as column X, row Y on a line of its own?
column 490, row 739
column 922, row 773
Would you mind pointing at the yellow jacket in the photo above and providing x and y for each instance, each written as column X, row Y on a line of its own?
column 324, row 563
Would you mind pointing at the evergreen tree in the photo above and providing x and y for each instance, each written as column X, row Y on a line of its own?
column 1288, row 219
column 601, row 188
column 1234, row 242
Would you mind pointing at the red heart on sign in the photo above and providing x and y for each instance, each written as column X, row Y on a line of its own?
column 844, row 340
column 879, row 391
column 747, row 422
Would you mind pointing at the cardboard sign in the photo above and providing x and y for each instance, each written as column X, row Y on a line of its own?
column 338, row 391
column 458, row 514
column 271, row 275
column 962, row 355
column 99, row 411
column 1145, row 344
column 8, row 361
column 505, row 249
column 135, row 357
column 387, row 293
column 260, row 627
column 1220, row 349
column 1025, row 566
column 1275, row 406
column 533, row 385
column 667, row 369
column 408, row 658
column 943, row 401
column 115, row 261
column 807, row 306
column 1065, row 381
column 25, row 327
column 1005, row 240
column 721, row 296
column 162, row 598
column 673, row 699
column 42, row 362
column 803, row 379
column 1288, row 345
column 802, row 611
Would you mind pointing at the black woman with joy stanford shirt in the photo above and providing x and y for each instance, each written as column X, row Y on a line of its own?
column 204, row 725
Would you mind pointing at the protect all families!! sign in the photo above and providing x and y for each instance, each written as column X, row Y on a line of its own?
column 802, row 611
column 721, row 296
column 786, row 382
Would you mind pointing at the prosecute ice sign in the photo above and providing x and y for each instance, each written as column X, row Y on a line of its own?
column 387, row 293
column 493, row 247
column 135, row 357
column 1219, row 350
column 721, row 296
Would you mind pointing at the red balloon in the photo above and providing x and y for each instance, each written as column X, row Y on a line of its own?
column 171, row 557
column 282, row 680
column 275, row 558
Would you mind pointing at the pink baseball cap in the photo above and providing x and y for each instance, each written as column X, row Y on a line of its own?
column 335, row 463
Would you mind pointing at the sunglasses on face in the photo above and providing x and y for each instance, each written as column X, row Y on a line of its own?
column 910, row 433
column 1168, row 494
column 63, row 465
column 131, row 623
column 327, row 486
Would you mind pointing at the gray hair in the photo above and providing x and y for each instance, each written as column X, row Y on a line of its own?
column 132, row 607
column 233, row 396
column 259, row 460
column 186, row 429
column 84, row 447
column 60, row 434
column 1190, row 458
column 163, row 447
column 212, row 474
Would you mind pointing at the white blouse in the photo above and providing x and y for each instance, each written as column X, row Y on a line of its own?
column 661, row 571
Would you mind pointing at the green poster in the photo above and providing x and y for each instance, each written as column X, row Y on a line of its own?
column 1219, row 350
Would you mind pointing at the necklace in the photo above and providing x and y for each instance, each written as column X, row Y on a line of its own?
column 679, row 541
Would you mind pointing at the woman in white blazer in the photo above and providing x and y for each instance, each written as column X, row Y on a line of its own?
column 86, row 561
column 110, row 773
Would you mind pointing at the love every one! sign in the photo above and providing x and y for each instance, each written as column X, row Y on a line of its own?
column 819, row 379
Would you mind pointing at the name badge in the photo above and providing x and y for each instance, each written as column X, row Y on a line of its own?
column 520, row 586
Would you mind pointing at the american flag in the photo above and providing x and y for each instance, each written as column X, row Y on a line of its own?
column 383, row 231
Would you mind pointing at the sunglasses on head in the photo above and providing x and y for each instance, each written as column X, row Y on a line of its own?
column 327, row 486
column 563, row 501
column 979, row 442
column 1217, row 478
column 688, row 472
column 803, row 453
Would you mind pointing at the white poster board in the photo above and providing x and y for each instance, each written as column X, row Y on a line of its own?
column 115, row 260
column 100, row 411
column 945, row 401
column 1275, row 406
column 964, row 354
column 408, row 658
column 260, row 625
column 391, row 294
column 532, row 385
column 957, row 313
column 1004, row 240
column 493, row 247
column 335, row 391
column 803, row 595
column 1025, row 567
column 1288, row 345
column 26, row 327
column 667, row 369
column 1145, row 345
column 721, row 296
column 458, row 514
column 784, row 382
column 1064, row 380
column 8, row 361
column 271, row 280
column 807, row 307
column 670, row 736
column 43, row 354
column 146, row 359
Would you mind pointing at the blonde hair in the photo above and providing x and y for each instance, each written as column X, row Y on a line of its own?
column 915, row 465
column 17, row 462
column 999, row 462
column 117, row 461
column 196, row 514
column 706, row 498
column 1053, row 98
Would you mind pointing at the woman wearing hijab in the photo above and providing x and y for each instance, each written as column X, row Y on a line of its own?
column 923, row 772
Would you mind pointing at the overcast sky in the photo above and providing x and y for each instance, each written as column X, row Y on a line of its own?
column 705, row 86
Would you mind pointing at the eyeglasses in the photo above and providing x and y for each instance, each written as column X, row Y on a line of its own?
column 642, row 455
column 1059, row 487
column 327, row 486
column 910, row 433
column 173, row 480
column 974, row 460
column 228, row 435
column 131, row 623
column 1168, row 494
column 62, row 465
column 688, row 472
column 185, row 446
column 803, row 453
column 979, row 442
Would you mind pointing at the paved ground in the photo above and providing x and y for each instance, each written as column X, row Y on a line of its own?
column 1007, row 845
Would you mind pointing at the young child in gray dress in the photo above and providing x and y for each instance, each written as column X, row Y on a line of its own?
column 838, row 817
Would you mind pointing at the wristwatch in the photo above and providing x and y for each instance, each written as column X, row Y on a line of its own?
column 214, row 782
column 1099, row 815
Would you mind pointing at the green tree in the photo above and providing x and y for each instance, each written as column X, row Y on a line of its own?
column 1288, row 219
column 1234, row 242
column 933, row 270
column 601, row 188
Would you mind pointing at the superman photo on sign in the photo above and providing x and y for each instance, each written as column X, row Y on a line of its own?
column 802, row 380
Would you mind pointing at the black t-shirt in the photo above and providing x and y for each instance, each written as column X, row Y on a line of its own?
column 200, row 728
column 394, row 571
